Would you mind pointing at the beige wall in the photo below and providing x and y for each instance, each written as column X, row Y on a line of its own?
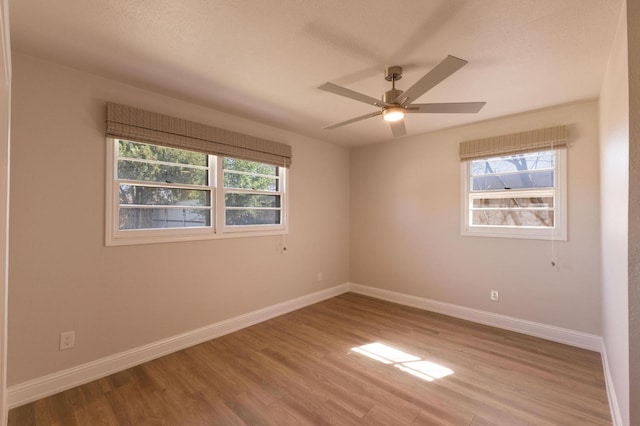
column 118, row 298
column 405, row 226
column 614, row 165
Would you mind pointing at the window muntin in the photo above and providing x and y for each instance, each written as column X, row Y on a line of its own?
column 516, row 196
column 158, row 194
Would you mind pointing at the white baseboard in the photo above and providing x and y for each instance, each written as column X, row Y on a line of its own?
column 616, row 415
column 556, row 334
column 549, row 332
column 41, row 387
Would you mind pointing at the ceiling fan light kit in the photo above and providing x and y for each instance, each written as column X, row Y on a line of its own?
column 392, row 114
column 395, row 103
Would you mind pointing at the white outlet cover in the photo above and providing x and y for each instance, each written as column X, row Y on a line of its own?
column 67, row 340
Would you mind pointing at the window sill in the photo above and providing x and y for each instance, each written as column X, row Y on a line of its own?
column 515, row 233
column 143, row 237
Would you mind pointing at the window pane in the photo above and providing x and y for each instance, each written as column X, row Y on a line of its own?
column 242, row 181
column 536, row 218
column 159, row 153
column 158, row 218
column 151, row 196
column 243, row 174
column 136, row 170
column 512, row 202
column 514, row 163
column 259, row 183
column 252, row 217
column 523, row 180
column 251, row 200
column 249, row 166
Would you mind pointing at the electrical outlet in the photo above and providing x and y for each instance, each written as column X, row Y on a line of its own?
column 319, row 277
column 495, row 296
column 67, row 340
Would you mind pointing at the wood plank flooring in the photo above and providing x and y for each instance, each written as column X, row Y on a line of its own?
column 301, row 369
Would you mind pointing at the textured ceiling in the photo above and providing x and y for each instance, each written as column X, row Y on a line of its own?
column 264, row 59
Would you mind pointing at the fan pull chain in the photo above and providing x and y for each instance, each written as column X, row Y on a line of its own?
column 555, row 184
column 283, row 240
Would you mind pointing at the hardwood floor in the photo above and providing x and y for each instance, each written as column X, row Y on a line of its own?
column 301, row 368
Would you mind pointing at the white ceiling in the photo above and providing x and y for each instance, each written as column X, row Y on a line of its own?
column 264, row 59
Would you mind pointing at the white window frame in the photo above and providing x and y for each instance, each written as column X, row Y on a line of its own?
column 115, row 236
column 559, row 192
column 220, row 201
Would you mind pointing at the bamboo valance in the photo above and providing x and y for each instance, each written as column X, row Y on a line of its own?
column 144, row 126
column 516, row 143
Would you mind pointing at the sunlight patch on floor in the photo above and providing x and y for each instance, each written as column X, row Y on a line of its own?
column 425, row 370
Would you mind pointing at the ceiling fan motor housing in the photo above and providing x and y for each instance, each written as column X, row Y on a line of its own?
column 390, row 96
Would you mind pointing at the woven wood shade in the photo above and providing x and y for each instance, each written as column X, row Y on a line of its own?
column 139, row 125
column 516, row 143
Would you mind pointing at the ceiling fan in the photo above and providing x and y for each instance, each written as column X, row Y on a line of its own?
column 396, row 103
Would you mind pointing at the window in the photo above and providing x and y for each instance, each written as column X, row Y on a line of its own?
column 160, row 194
column 252, row 195
column 518, row 196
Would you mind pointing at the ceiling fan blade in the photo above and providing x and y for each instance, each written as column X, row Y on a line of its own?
column 348, row 93
column 443, row 70
column 398, row 129
column 353, row 120
column 447, row 108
